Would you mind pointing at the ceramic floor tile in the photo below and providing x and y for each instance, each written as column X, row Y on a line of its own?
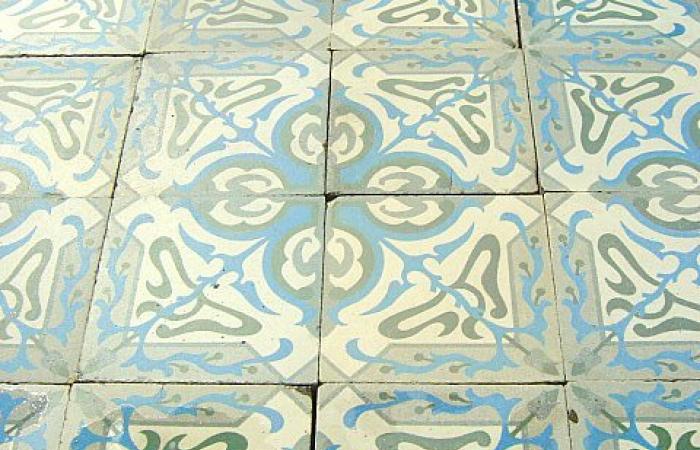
column 70, row 27
column 617, row 120
column 212, row 289
column 221, row 25
column 596, row 24
column 378, row 24
column 49, row 250
column 252, row 123
column 430, row 122
column 187, row 417
column 455, row 417
column 633, row 415
column 62, row 124
column 438, row 289
column 626, row 273
column 31, row 416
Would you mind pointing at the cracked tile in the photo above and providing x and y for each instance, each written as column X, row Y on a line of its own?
column 438, row 289
column 364, row 24
column 187, row 417
column 208, row 289
column 618, row 120
column 62, row 124
column 73, row 27
column 220, row 25
column 397, row 416
column 48, row 256
column 430, row 122
column 31, row 416
column 626, row 273
column 660, row 23
column 611, row 416
column 204, row 124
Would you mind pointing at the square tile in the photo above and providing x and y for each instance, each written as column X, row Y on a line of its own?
column 208, row 289
column 73, row 27
column 631, row 415
column 626, row 273
column 361, row 416
column 438, row 289
column 430, row 122
column 62, row 124
column 133, row 416
column 49, row 249
column 220, row 25
column 217, row 123
column 380, row 24
column 657, row 23
column 616, row 120
column 31, row 416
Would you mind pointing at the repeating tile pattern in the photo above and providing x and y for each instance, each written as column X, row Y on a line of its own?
column 252, row 123
column 49, row 250
column 62, row 124
column 70, row 27
column 616, row 120
column 386, row 417
column 31, row 416
column 438, row 289
column 135, row 417
column 212, row 289
column 430, row 122
column 611, row 23
column 381, row 24
column 626, row 272
column 219, row 25
column 631, row 415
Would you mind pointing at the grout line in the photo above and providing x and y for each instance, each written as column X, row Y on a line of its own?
column 136, row 79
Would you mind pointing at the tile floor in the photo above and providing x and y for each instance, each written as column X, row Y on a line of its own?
column 349, row 224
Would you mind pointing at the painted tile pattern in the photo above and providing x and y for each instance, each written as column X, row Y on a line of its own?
column 618, row 120
column 430, row 122
column 73, row 27
column 205, row 25
column 393, row 416
column 381, row 24
column 62, row 124
column 626, row 272
column 219, row 289
column 221, row 123
column 49, row 249
column 635, row 415
column 431, row 288
column 145, row 417
column 248, row 199
column 31, row 416
column 611, row 23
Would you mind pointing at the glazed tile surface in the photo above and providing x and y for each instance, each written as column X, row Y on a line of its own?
column 438, row 289
column 212, row 289
column 31, row 416
column 626, row 272
column 349, row 224
column 220, row 25
column 631, row 415
column 134, row 417
column 219, row 123
column 62, row 124
column 397, row 416
column 611, row 23
column 49, row 250
column 620, row 120
column 73, row 27
column 430, row 122
column 381, row 24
